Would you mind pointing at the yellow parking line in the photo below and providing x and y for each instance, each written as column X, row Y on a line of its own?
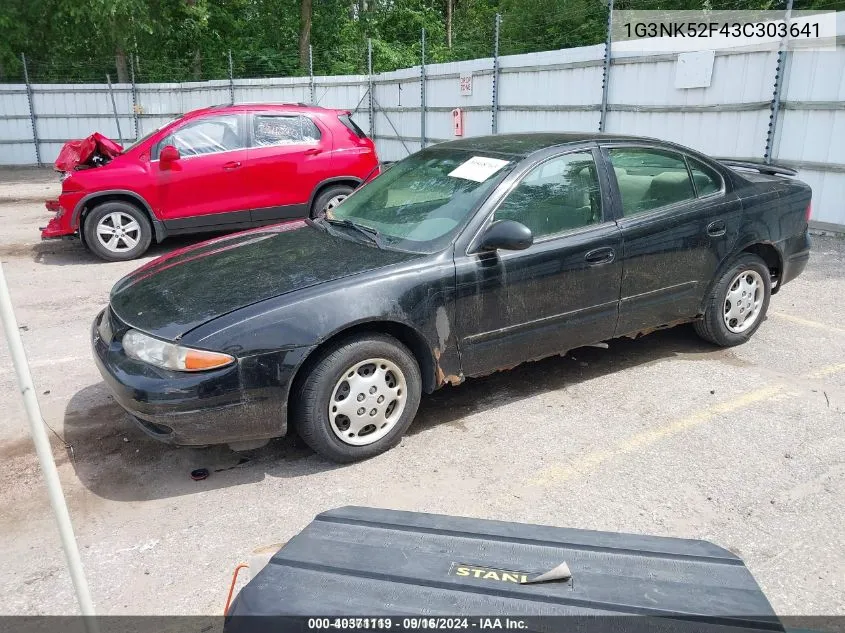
column 591, row 461
column 640, row 440
column 826, row 371
column 807, row 322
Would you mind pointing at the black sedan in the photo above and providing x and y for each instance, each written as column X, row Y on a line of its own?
column 465, row 258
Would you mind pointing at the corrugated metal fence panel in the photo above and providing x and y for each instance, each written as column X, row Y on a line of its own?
column 443, row 94
column 828, row 196
column 742, row 80
column 816, row 135
column 345, row 92
column 275, row 90
column 15, row 125
column 397, row 112
column 160, row 99
column 739, row 134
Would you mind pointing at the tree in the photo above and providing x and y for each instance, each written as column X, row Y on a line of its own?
column 305, row 36
column 450, row 5
column 177, row 40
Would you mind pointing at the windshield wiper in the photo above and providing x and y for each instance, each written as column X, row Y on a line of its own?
column 367, row 231
column 316, row 223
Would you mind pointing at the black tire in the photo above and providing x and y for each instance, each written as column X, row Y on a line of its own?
column 310, row 402
column 144, row 234
column 318, row 208
column 712, row 326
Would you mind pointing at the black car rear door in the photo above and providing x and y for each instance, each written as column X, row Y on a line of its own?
column 561, row 292
column 678, row 223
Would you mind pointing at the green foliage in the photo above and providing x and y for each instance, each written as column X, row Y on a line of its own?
column 185, row 40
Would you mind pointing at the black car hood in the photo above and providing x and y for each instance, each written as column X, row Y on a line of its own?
column 178, row 292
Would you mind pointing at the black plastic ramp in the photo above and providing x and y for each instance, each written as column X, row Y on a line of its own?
column 367, row 562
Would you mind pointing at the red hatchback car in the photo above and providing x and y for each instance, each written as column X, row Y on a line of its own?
column 216, row 169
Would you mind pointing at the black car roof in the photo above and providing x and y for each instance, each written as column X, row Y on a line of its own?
column 530, row 142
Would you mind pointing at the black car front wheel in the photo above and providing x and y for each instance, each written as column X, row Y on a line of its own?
column 358, row 399
column 737, row 303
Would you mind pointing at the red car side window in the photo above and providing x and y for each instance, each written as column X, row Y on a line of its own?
column 283, row 130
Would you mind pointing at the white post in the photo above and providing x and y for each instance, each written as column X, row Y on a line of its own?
column 45, row 455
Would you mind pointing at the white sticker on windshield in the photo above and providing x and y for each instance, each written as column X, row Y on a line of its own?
column 478, row 168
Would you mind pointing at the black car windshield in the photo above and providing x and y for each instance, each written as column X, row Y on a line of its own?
column 421, row 202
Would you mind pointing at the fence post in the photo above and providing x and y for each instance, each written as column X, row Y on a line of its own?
column 370, row 87
column 114, row 110
column 422, row 92
column 494, row 106
column 780, row 71
column 32, row 118
column 134, row 94
column 311, row 73
column 231, row 80
column 605, row 82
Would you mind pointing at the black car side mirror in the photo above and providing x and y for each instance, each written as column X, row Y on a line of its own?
column 507, row 235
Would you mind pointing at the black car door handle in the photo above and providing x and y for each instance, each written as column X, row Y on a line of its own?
column 717, row 228
column 603, row 255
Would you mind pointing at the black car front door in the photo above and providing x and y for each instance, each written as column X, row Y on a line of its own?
column 561, row 292
column 678, row 223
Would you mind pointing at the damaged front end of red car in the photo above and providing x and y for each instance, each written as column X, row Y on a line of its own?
column 94, row 151
column 88, row 153
column 54, row 227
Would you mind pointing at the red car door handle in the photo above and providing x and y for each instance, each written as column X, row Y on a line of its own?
column 313, row 151
column 234, row 164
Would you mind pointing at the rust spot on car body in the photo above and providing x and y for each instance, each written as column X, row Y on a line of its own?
column 442, row 377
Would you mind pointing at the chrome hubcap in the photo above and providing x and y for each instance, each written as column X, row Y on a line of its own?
column 333, row 202
column 744, row 301
column 367, row 401
column 118, row 232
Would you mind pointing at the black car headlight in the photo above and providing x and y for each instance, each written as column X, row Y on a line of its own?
column 167, row 355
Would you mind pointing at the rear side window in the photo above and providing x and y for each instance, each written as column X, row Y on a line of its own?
column 351, row 125
column 650, row 178
column 706, row 180
column 272, row 129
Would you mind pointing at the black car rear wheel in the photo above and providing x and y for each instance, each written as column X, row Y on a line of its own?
column 737, row 304
column 358, row 399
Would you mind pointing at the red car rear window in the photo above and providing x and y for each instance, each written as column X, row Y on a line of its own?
column 353, row 127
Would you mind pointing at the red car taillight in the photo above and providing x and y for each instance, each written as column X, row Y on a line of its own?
column 809, row 210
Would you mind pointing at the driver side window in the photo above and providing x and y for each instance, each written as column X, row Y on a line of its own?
column 206, row 136
column 558, row 195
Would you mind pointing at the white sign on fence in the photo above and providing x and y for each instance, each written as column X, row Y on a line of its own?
column 694, row 70
column 466, row 84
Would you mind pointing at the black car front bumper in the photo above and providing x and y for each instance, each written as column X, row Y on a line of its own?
column 242, row 402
